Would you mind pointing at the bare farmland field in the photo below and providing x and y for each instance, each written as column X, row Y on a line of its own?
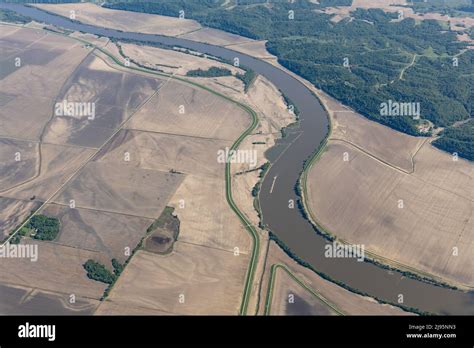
column 227, row 85
column 416, row 220
column 115, row 96
column 266, row 99
column 51, row 59
column 7, row 30
column 13, row 212
column 170, row 61
column 439, row 169
column 166, row 152
column 263, row 97
column 206, row 218
column 346, row 301
column 209, row 280
column 261, row 94
column 58, row 269
column 108, row 233
column 122, row 308
column 30, row 173
column 122, row 20
column 188, row 111
column 16, row 300
column 382, row 142
column 18, row 39
column 85, row 234
column 58, row 163
column 120, row 188
column 200, row 199
column 18, row 161
column 341, row 12
column 244, row 177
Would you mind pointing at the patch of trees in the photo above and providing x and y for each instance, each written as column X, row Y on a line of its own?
column 331, row 3
column 263, row 170
column 256, row 189
column 97, row 271
column 211, row 72
column 44, row 227
column 118, row 267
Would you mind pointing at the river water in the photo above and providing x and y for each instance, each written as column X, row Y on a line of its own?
column 287, row 163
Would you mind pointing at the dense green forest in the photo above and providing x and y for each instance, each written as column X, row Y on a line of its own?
column 458, row 139
column 363, row 61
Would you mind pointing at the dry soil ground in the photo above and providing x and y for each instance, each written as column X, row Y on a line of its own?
column 26, row 108
column 191, row 112
column 56, row 164
column 51, row 59
column 17, row 300
column 193, row 279
column 122, row 20
column 405, row 200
